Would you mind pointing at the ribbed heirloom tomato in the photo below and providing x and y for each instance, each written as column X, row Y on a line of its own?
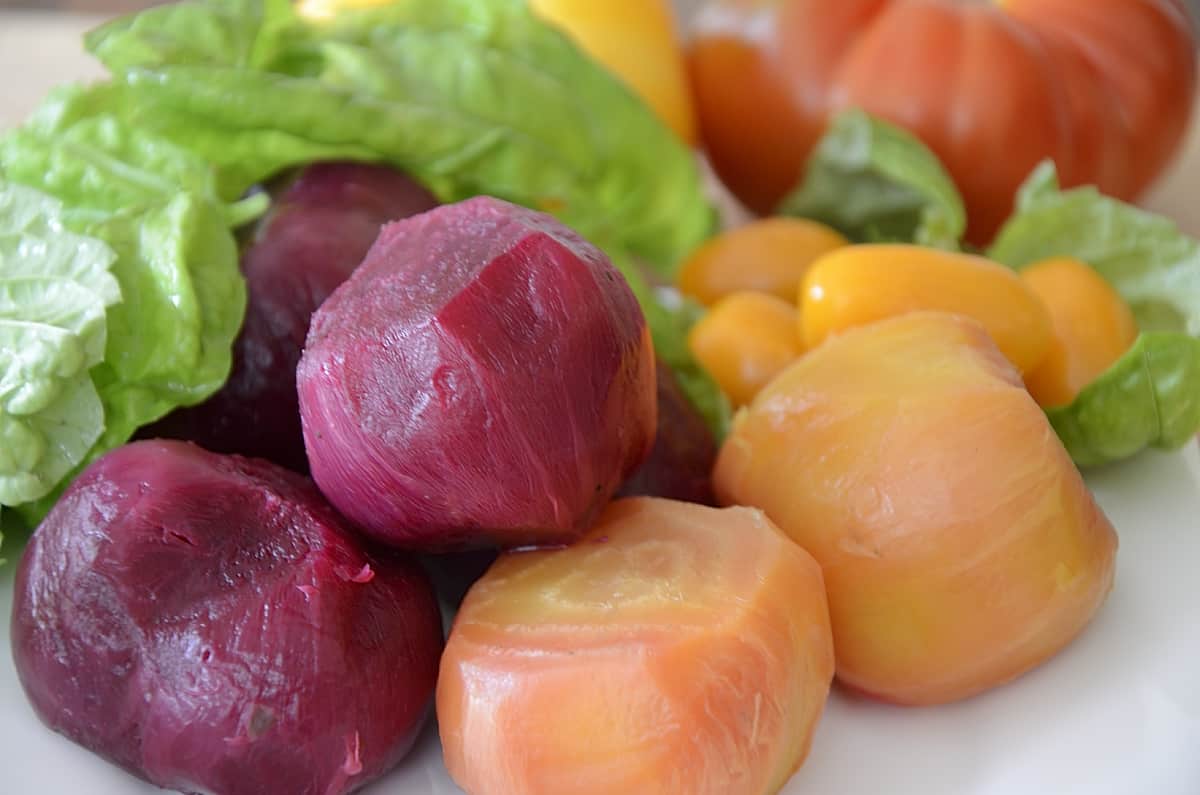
column 1104, row 87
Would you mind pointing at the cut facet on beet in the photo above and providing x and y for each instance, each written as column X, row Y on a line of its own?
column 209, row 624
column 680, row 464
column 322, row 225
column 485, row 377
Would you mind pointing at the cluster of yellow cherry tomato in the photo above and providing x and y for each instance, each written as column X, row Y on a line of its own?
column 778, row 287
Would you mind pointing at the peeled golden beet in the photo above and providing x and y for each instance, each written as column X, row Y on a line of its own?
column 959, row 544
column 674, row 650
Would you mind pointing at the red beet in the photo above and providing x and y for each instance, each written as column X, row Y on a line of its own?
column 209, row 624
column 322, row 225
column 680, row 465
column 485, row 376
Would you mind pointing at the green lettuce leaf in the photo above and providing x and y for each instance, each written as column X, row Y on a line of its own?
column 151, row 209
column 876, row 183
column 55, row 290
column 1151, row 396
column 670, row 316
column 468, row 96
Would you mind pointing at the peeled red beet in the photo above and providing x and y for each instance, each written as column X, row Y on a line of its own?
column 209, row 624
column 681, row 463
column 320, row 228
column 485, row 376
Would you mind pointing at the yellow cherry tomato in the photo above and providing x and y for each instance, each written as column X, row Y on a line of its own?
column 768, row 256
column 857, row 285
column 637, row 40
column 1093, row 328
column 745, row 341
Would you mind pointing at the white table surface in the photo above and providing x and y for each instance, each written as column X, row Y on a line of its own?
column 1118, row 713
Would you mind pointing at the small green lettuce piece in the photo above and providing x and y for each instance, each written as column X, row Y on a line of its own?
column 1151, row 396
column 877, row 183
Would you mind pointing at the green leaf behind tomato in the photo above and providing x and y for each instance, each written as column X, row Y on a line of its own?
column 876, row 183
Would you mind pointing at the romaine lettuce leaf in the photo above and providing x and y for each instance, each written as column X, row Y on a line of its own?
column 876, row 183
column 1151, row 396
column 469, row 96
column 55, row 290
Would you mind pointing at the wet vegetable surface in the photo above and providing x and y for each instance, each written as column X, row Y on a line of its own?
column 485, row 376
column 209, row 624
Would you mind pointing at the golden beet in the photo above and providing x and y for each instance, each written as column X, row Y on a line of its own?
column 675, row 650
column 959, row 544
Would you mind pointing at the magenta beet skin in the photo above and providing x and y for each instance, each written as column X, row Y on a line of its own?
column 208, row 623
column 485, row 376
column 322, row 225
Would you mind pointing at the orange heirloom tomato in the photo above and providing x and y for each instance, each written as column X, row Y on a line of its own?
column 1104, row 87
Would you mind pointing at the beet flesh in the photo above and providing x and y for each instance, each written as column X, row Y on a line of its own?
column 680, row 464
column 320, row 228
column 207, row 623
column 485, row 377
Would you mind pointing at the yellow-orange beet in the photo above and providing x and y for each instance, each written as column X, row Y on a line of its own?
column 675, row 650
column 766, row 256
column 858, row 285
column 744, row 341
column 1093, row 328
column 959, row 544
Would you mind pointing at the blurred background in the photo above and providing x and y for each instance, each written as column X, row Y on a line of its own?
column 117, row 6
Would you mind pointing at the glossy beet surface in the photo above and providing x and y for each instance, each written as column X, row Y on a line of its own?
column 485, row 376
column 208, row 623
column 680, row 464
column 321, row 227
column 673, row 650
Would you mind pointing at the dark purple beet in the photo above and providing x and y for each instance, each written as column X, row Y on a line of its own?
column 485, row 377
column 209, row 624
column 322, row 225
column 453, row 573
column 681, row 463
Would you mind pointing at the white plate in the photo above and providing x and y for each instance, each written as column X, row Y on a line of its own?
column 1118, row 713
